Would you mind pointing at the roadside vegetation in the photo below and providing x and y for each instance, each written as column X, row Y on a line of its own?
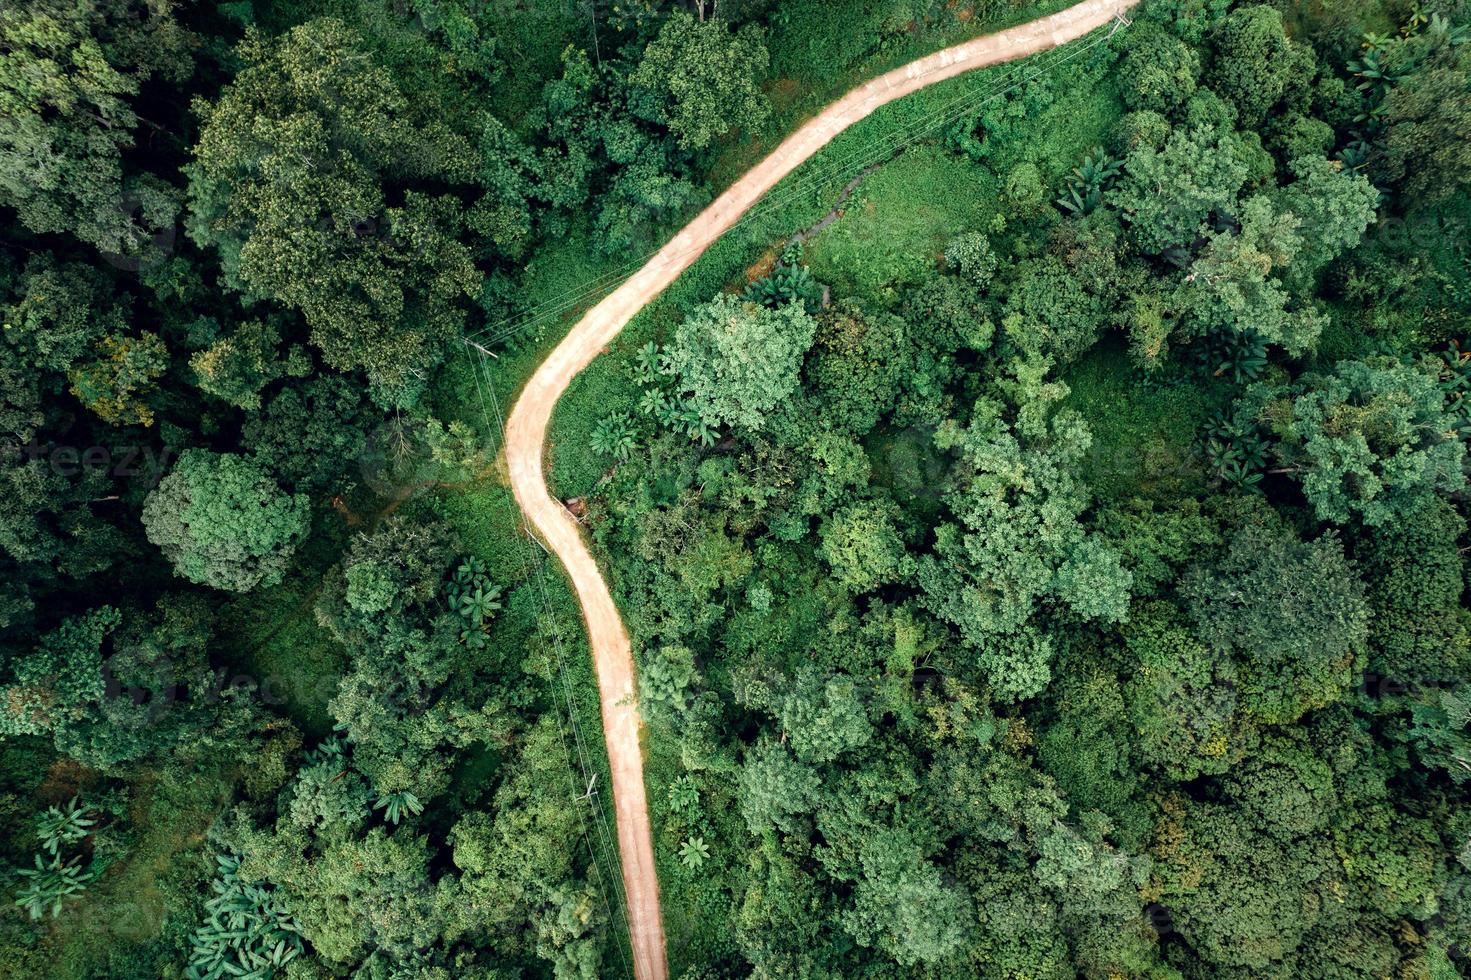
column 1020, row 566
column 1052, row 565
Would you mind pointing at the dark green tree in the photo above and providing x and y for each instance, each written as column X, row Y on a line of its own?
column 701, row 79
column 70, row 107
column 1257, row 66
column 1293, row 611
column 224, row 522
column 307, row 178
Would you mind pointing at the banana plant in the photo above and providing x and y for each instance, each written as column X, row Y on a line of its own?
column 59, row 826
column 50, row 883
column 475, row 598
column 395, row 805
column 248, row 931
column 1089, row 181
column 616, row 436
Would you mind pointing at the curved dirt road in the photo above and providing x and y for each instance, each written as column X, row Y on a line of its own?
column 527, row 426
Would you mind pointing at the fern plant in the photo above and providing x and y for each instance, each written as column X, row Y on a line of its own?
column 1234, row 452
column 689, row 421
column 56, row 875
column 786, row 284
column 789, row 282
column 684, row 795
column 1455, row 382
column 59, row 826
column 650, row 365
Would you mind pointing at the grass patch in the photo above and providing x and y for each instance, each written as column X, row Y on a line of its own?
column 273, row 638
column 894, row 228
column 600, row 390
column 1142, row 433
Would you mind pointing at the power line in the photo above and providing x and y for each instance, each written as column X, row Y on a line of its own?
column 614, row 909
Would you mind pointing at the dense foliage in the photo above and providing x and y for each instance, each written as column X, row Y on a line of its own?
column 1049, row 563
column 932, row 690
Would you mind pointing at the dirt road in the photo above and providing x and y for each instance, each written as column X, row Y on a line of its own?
column 527, row 427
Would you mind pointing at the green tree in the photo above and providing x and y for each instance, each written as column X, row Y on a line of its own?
column 701, row 79
column 306, row 178
column 1414, row 571
column 1241, row 898
column 110, row 689
column 1158, row 72
column 666, row 679
column 1334, row 205
column 237, row 368
column 309, row 434
column 858, row 365
column 739, row 360
column 901, row 905
column 1014, row 521
column 1088, row 747
column 1183, row 699
column 517, row 870
column 1231, row 286
column 1168, row 194
column 1365, row 441
column 365, row 894
column 69, row 112
column 1093, row 582
column 824, row 717
column 1257, row 66
column 117, row 384
column 51, row 688
column 224, row 522
column 1427, row 122
column 863, row 547
column 1050, row 312
column 1294, row 611
column 775, row 789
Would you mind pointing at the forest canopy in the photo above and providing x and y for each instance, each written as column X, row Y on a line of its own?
column 1043, row 543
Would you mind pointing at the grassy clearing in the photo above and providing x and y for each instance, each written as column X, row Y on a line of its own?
column 276, row 642
column 1142, row 433
column 894, row 228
